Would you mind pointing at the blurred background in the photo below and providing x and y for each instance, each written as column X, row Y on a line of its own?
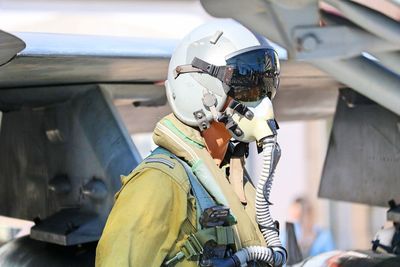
column 303, row 143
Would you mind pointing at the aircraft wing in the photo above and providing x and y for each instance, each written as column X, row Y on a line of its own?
column 54, row 59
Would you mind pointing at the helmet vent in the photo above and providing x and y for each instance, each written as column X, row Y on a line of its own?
column 214, row 39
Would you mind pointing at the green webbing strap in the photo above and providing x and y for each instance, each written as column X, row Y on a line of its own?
column 203, row 198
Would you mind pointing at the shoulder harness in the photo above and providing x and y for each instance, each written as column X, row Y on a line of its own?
column 216, row 234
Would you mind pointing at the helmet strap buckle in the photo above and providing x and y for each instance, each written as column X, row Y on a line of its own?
column 241, row 109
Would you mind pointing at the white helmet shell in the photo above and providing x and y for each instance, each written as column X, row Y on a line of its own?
column 185, row 93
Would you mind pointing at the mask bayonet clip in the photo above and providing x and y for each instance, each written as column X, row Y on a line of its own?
column 230, row 124
column 241, row 109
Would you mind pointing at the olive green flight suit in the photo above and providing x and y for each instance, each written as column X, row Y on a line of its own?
column 154, row 211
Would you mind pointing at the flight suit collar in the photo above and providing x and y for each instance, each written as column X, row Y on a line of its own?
column 191, row 133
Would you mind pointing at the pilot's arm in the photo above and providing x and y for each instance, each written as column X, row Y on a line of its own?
column 144, row 222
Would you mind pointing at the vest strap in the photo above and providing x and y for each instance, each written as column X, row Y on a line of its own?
column 203, row 198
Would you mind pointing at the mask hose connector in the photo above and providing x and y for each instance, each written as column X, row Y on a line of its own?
column 274, row 253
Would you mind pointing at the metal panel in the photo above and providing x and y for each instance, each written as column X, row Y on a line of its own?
column 275, row 19
column 390, row 60
column 323, row 42
column 35, row 71
column 68, row 227
column 369, row 19
column 367, row 77
column 61, row 156
column 363, row 159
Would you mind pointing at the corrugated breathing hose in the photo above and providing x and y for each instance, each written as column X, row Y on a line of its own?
column 273, row 253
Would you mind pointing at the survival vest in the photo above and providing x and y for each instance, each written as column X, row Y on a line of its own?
column 215, row 236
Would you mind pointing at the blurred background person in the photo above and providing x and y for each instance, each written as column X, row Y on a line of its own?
column 312, row 239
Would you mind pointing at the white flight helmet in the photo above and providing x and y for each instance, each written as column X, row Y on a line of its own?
column 218, row 59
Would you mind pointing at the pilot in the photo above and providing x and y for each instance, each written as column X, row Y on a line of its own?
column 191, row 203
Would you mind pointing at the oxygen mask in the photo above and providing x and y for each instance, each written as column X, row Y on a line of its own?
column 251, row 121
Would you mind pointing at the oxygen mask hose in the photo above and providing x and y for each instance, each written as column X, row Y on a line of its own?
column 274, row 253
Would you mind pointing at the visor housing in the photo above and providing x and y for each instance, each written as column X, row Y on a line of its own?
column 254, row 74
column 250, row 74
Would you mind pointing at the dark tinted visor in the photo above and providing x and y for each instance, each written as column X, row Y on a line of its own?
column 254, row 74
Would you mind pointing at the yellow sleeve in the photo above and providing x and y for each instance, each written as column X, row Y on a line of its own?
column 144, row 222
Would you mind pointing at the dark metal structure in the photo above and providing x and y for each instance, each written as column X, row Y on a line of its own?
column 363, row 160
column 61, row 164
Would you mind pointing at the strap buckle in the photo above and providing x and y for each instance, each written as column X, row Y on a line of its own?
column 214, row 216
column 192, row 248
